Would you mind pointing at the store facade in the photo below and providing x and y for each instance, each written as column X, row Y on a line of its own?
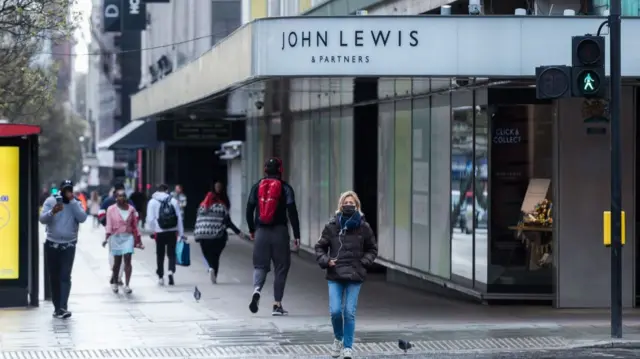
column 440, row 135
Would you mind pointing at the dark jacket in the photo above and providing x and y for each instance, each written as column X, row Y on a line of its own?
column 355, row 251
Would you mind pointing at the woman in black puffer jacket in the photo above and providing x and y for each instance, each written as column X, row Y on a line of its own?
column 345, row 249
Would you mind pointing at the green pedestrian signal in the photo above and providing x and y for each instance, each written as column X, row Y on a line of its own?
column 588, row 82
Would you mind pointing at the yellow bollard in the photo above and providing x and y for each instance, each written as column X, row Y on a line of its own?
column 606, row 228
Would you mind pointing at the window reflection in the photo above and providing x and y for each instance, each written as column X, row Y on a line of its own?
column 521, row 138
column 481, row 188
column 402, row 180
column 386, row 185
column 465, row 215
column 440, row 183
column 421, row 144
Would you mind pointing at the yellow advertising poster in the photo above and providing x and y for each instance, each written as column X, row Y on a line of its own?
column 9, row 216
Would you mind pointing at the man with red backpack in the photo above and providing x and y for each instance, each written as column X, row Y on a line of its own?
column 269, row 203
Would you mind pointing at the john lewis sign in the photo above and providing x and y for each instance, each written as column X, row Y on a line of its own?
column 416, row 45
column 349, row 43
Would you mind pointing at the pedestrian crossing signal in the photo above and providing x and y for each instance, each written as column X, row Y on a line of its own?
column 588, row 76
column 553, row 82
column 588, row 82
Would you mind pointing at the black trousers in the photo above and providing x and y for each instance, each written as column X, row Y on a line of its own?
column 60, row 258
column 212, row 249
column 166, row 245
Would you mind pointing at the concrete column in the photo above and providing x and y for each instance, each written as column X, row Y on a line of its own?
column 286, row 126
column 581, row 193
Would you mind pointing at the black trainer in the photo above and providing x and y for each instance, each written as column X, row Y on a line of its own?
column 278, row 311
column 171, row 281
column 255, row 301
column 57, row 314
column 65, row 314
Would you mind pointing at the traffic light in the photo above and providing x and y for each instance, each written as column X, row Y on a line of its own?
column 553, row 82
column 588, row 76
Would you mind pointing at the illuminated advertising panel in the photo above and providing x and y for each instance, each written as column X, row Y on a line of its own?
column 9, row 215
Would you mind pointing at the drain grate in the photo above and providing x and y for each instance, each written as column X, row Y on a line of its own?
column 435, row 346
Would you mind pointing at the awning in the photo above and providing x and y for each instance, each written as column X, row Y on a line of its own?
column 135, row 135
column 379, row 46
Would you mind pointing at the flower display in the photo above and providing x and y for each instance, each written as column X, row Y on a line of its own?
column 541, row 214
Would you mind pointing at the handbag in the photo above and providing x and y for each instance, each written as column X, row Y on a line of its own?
column 183, row 253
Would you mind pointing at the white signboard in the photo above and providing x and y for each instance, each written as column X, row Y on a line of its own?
column 536, row 193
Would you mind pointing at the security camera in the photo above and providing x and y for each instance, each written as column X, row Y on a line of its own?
column 259, row 105
column 462, row 81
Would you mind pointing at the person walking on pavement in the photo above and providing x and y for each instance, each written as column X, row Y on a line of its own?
column 62, row 215
column 211, row 226
column 139, row 200
column 269, row 202
column 179, row 195
column 106, row 203
column 94, row 208
column 221, row 192
column 164, row 219
column 346, row 247
column 123, row 235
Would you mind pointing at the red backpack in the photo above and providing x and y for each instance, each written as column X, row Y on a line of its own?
column 269, row 192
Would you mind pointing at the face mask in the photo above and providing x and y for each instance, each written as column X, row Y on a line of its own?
column 348, row 209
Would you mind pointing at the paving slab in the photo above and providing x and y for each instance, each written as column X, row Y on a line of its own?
column 167, row 322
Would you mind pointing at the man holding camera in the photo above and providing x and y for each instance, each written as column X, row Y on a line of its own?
column 62, row 213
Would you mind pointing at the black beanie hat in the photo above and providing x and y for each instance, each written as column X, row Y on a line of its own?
column 273, row 166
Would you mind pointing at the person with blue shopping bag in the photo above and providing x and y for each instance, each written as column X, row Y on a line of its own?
column 345, row 249
column 183, row 253
column 164, row 219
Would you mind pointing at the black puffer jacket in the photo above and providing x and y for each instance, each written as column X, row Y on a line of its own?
column 355, row 251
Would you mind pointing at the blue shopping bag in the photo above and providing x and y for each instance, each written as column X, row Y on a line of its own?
column 183, row 253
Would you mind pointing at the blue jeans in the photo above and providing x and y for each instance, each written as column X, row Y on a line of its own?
column 344, row 322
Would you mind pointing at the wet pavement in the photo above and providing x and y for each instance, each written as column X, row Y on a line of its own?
column 166, row 322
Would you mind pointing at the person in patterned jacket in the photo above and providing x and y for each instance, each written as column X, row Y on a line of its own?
column 211, row 228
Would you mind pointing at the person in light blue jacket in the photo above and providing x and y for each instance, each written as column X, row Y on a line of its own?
column 62, row 214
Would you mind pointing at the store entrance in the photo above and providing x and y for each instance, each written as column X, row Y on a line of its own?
column 365, row 148
column 195, row 168
column 520, row 259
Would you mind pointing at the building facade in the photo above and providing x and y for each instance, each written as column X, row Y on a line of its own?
column 442, row 137
column 102, row 103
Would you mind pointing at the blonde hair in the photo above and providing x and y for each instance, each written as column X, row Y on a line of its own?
column 346, row 195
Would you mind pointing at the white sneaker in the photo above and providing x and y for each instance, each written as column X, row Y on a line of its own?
column 114, row 287
column 336, row 348
column 212, row 276
column 347, row 353
column 127, row 290
column 161, row 281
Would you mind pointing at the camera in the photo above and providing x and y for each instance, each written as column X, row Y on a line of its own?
column 259, row 105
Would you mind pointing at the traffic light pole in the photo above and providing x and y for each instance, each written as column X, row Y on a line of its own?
column 616, row 195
